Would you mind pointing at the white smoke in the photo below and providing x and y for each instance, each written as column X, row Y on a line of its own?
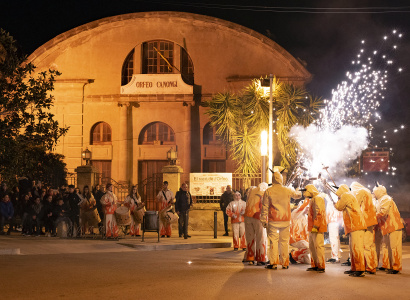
column 333, row 149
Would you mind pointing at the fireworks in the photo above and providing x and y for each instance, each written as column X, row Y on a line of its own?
column 354, row 104
column 355, row 100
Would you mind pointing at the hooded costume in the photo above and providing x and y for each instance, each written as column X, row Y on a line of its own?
column 364, row 198
column 236, row 211
column 354, row 226
column 299, row 235
column 275, row 215
column 391, row 227
column 334, row 220
column 317, row 226
column 256, row 240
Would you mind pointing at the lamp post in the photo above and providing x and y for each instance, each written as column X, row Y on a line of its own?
column 172, row 156
column 264, row 83
column 264, row 153
column 86, row 155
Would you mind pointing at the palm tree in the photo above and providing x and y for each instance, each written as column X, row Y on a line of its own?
column 240, row 119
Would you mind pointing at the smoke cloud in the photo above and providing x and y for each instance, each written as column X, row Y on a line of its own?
column 333, row 149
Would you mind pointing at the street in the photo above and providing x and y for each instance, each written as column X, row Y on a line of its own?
column 218, row 273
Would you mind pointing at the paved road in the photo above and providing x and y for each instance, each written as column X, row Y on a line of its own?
column 212, row 274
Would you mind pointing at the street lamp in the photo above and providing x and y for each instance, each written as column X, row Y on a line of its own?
column 264, row 153
column 264, row 83
column 172, row 156
column 86, row 155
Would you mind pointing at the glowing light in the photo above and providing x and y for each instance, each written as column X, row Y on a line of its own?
column 189, row 262
column 264, row 143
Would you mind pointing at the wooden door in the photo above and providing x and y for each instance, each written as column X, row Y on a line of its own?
column 150, row 181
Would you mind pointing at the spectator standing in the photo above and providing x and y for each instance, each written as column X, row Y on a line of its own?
column 49, row 217
column 99, row 192
column 73, row 200
column 62, row 213
column 224, row 201
column 182, row 206
column 36, row 216
column 7, row 214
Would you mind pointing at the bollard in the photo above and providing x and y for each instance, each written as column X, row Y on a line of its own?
column 215, row 225
column 186, row 225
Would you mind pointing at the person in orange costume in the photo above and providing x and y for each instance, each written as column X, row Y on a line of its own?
column 256, row 240
column 317, row 226
column 132, row 201
column 165, row 198
column 354, row 227
column 391, row 227
column 109, row 202
column 380, row 241
column 364, row 198
column 275, row 216
column 236, row 211
column 299, row 235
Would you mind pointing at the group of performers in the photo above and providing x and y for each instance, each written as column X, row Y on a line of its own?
column 134, row 209
column 372, row 223
column 110, row 204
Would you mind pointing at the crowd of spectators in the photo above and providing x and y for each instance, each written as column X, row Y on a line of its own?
column 35, row 209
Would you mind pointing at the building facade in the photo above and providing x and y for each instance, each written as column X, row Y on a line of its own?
column 132, row 86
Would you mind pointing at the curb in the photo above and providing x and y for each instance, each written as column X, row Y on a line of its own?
column 177, row 246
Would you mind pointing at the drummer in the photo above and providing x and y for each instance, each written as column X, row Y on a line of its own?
column 88, row 214
column 109, row 202
column 133, row 202
column 165, row 198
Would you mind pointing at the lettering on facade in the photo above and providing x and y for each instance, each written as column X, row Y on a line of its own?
column 160, row 84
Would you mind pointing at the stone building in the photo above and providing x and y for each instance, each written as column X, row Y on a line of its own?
column 131, row 88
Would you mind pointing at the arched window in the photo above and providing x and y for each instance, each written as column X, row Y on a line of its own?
column 187, row 67
column 158, row 57
column 210, row 136
column 100, row 134
column 157, row 133
column 127, row 68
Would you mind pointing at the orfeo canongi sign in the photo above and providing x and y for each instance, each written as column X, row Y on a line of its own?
column 156, row 84
column 209, row 184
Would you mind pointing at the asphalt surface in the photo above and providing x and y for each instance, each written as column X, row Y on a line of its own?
column 111, row 270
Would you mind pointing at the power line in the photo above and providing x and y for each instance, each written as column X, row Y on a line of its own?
column 298, row 9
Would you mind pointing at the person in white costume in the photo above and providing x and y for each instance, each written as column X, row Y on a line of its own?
column 236, row 211
column 334, row 220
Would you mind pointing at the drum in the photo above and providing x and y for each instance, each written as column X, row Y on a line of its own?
column 91, row 218
column 151, row 220
column 169, row 217
column 138, row 214
column 122, row 214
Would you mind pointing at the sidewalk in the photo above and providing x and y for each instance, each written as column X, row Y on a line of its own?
column 16, row 244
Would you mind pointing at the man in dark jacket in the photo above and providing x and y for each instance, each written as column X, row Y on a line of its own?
column 225, row 199
column 99, row 192
column 7, row 213
column 182, row 205
column 73, row 201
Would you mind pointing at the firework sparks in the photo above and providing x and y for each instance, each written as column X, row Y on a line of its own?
column 354, row 103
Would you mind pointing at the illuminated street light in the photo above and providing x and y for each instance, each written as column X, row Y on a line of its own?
column 264, row 153
column 264, row 83
column 86, row 155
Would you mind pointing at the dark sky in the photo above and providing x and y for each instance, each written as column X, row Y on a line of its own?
column 327, row 42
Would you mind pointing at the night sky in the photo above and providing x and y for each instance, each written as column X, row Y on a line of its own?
column 327, row 42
